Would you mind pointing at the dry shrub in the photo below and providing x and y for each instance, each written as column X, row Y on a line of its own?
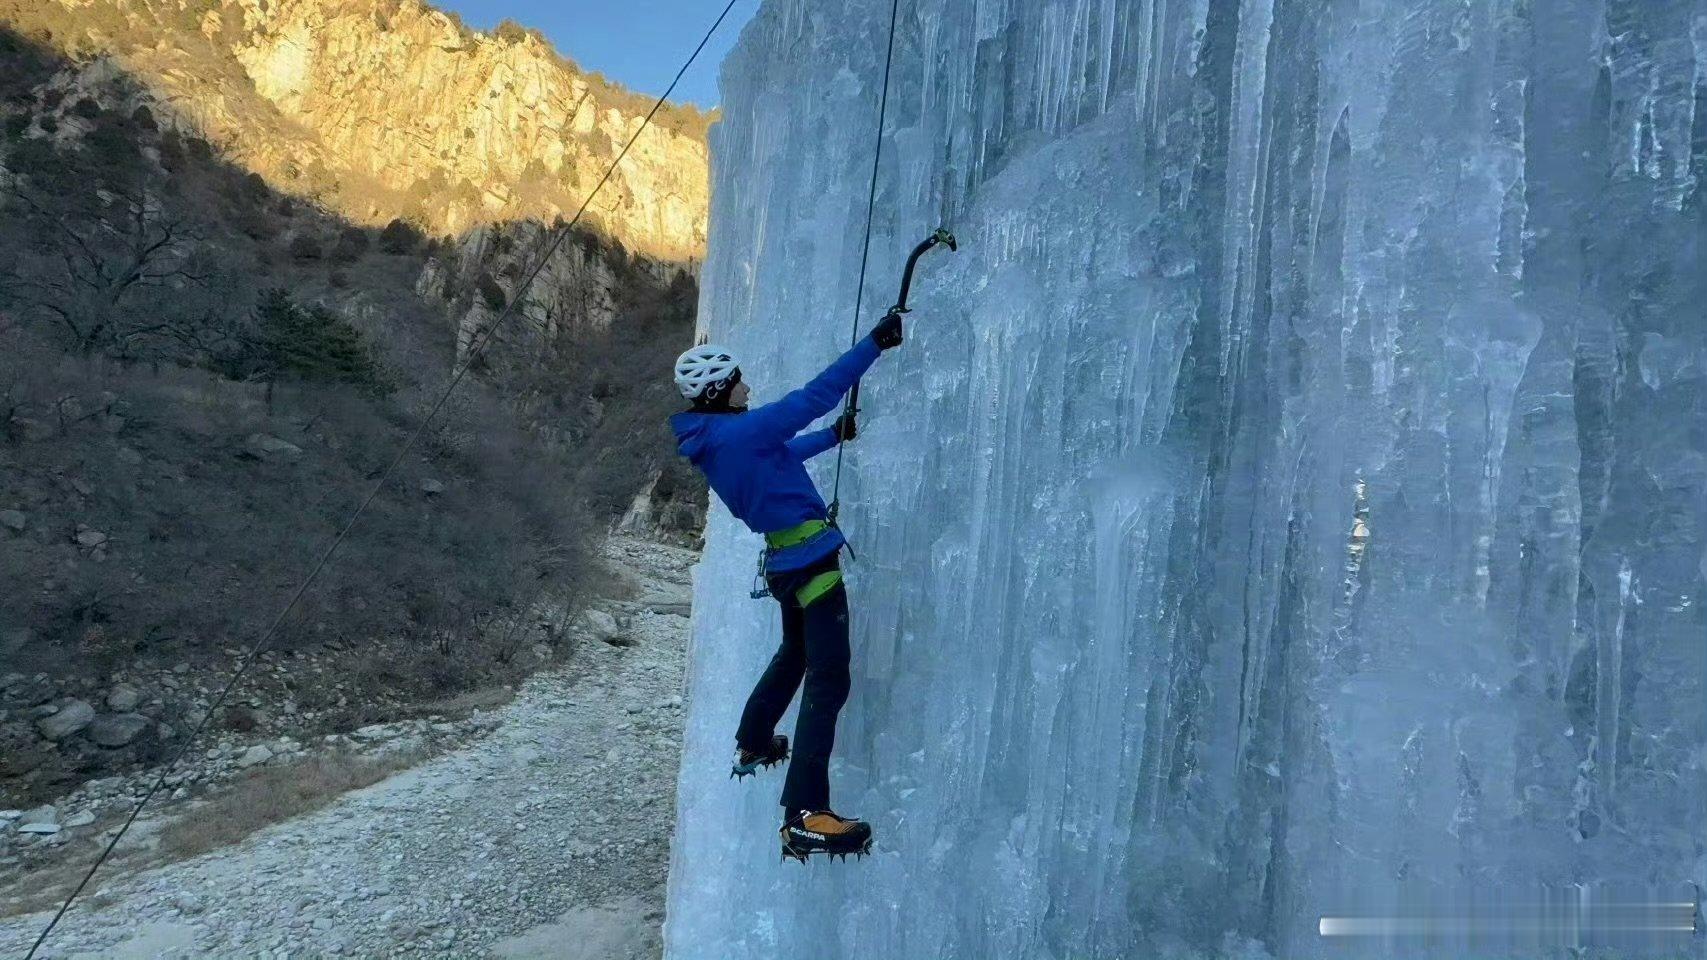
column 271, row 795
column 459, row 705
column 262, row 798
column 188, row 506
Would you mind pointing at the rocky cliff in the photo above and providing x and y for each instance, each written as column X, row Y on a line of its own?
column 383, row 109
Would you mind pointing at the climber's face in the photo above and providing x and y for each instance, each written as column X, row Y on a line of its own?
column 738, row 396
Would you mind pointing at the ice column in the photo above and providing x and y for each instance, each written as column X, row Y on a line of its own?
column 1291, row 500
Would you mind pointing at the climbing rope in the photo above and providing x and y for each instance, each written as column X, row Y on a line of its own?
column 852, row 403
column 479, row 345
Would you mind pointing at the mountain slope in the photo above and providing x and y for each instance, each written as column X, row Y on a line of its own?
column 178, row 438
column 383, row 109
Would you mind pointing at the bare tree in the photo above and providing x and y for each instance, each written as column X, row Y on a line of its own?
column 110, row 277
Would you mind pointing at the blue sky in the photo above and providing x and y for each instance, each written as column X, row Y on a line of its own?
column 638, row 43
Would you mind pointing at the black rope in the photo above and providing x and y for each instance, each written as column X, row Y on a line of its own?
column 865, row 251
column 559, row 234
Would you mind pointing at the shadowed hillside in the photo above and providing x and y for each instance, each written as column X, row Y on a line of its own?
column 200, row 378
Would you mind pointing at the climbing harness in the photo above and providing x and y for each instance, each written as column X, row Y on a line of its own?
column 474, row 354
column 794, row 536
column 816, row 588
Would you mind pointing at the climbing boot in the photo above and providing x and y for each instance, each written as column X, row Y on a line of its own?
column 748, row 762
column 823, row 831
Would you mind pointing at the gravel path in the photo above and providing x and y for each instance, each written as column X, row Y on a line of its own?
column 549, row 837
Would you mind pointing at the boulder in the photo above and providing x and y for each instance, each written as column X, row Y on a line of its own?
column 431, row 487
column 34, row 429
column 254, row 756
column 123, row 699
column 46, row 813
column 42, row 829
column 70, row 719
column 91, row 538
column 114, row 730
column 32, row 692
column 267, row 447
column 14, row 520
column 602, row 626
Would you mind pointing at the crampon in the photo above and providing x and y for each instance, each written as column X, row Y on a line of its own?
column 748, row 763
column 824, row 832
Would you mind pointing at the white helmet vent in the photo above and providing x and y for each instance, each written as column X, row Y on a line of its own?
column 704, row 371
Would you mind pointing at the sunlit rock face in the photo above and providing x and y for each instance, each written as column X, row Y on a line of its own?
column 577, row 289
column 1290, row 501
column 389, row 108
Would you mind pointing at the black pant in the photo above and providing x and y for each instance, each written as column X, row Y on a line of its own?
column 814, row 646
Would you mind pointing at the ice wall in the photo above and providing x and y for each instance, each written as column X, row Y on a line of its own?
column 1291, row 500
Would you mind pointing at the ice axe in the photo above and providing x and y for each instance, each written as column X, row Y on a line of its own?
column 940, row 235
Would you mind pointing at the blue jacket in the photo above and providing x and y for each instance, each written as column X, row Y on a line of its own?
column 757, row 464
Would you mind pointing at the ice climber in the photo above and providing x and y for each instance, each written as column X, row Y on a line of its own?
column 755, row 460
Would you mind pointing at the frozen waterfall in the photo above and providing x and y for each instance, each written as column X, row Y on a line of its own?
column 1290, row 502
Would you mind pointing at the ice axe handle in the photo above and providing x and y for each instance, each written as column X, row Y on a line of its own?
column 940, row 235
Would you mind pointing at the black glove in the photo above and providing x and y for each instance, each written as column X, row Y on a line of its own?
column 845, row 427
column 887, row 333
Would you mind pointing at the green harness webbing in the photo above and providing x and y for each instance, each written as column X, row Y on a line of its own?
column 796, row 535
column 815, row 588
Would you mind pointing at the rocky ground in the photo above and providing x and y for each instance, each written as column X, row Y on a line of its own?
column 547, row 826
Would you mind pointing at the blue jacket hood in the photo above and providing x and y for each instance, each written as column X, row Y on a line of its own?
column 689, row 427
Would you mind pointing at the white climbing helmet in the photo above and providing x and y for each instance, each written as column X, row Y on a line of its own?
column 704, row 371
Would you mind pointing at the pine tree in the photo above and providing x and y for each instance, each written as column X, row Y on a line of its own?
column 313, row 343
